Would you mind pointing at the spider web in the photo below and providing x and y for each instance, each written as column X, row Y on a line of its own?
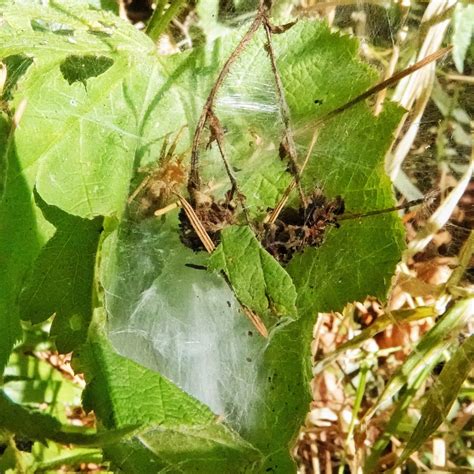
column 437, row 159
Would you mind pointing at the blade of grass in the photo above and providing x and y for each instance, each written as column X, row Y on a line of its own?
column 379, row 325
column 433, row 343
column 439, row 218
column 392, row 427
column 464, row 259
column 441, row 396
column 160, row 20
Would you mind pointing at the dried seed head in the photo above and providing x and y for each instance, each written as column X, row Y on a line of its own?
column 296, row 229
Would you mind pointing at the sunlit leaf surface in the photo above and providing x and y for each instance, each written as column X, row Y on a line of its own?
column 99, row 107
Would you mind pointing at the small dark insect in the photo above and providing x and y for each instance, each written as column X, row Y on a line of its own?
column 296, row 229
column 195, row 267
column 318, row 101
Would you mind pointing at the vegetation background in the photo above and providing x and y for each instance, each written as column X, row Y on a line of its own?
column 392, row 384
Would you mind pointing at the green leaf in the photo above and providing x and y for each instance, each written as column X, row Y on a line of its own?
column 462, row 34
column 84, row 139
column 258, row 280
column 23, row 231
column 62, row 278
column 30, row 424
column 194, row 448
column 427, row 351
column 442, row 394
column 37, row 426
column 82, row 145
column 185, row 323
column 177, row 429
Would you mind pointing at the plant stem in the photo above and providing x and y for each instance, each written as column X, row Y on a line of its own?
column 159, row 21
column 194, row 182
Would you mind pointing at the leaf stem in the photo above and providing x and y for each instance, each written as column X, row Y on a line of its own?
column 333, row 113
column 194, row 182
column 160, row 20
column 383, row 85
column 284, row 109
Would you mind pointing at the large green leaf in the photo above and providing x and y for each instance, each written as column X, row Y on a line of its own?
column 85, row 116
column 89, row 123
column 62, row 278
column 177, row 429
column 257, row 279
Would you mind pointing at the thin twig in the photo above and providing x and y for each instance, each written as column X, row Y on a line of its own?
column 284, row 199
column 401, row 207
column 218, row 135
column 373, row 90
column 284, row 109
column 194, row 182
column 210, row 247
column 383, row 85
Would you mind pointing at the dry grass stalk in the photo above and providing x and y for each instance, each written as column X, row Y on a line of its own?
column 414, row 88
